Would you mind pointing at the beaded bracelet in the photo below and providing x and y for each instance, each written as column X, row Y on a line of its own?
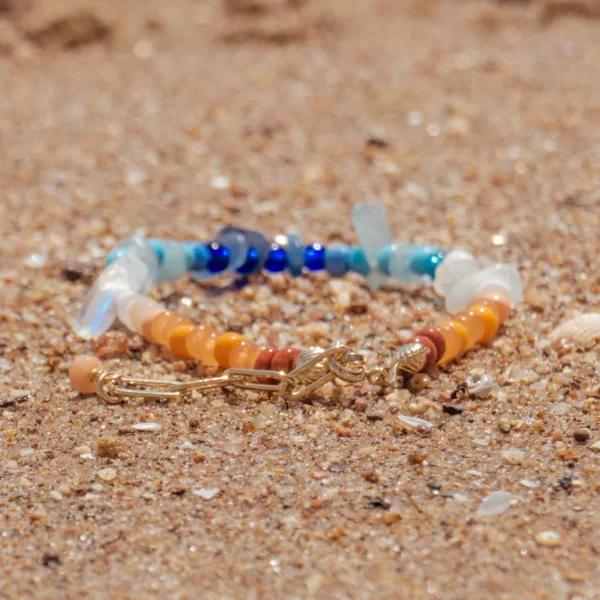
column 478, row 293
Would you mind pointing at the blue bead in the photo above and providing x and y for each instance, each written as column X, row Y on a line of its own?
column 336, row 259
column 198, row 255
column 357, row 261
column 219, row 258
column 159, row 249
column 295, row 255
column 425, row 260
column 314, row 257
column 276, row 261
column 249, row 267
column 383, row 258
column 254, row 240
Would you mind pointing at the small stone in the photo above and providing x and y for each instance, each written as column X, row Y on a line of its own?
column 495, row 503
column 205, row 493
column 361, row 405
column 581, row 435
column 341, row 430
column 56, row 495
column 414, row 422
column 108, row 447
column 550, row 539
column 389, row 518
column 513, row 456
column 107, row 474
column 416, row 458
column 595, row 446
column 146, row 427
column 420, row 381
column 79, row 450
column 366, row 451
column 111, row 344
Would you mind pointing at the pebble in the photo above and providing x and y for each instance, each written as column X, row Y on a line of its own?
column 551, row 539
column 414, row 422
column 495, row 503
column 107, row 474
column 146, row 426
column 79, row 450
column 581, row 435
column 108, row 447
column 513, row 456
column 205, row 493
column 595, row 446
column 480, row 386
column 56, row 495
column 420, row 381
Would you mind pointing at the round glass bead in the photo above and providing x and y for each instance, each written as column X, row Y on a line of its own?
column 314, row 257
column 276, row 261
column 357, row 261
column 336, row 259
column 219, row 258
column 425, row 260
column 252, row 261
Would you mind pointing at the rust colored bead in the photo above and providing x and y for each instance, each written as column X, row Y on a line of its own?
column 264, row 359
column 435, row 335
column 432, row 355
column 223, row 346
column 178, row 340
column 283, row 359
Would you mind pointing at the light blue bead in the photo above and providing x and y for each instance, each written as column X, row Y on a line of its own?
column 426, row 259
column 295, row 254
column 258, row 249
column 175, row 263
column 159, row 249
column 237, row 245
column 357, row 261
column 401, row 262
column 383, row 258
column 336, row 259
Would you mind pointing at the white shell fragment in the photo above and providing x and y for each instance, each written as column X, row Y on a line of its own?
column 206, row 493
column 414, row 422
column 480, row 386
column 496, row 503
column 582, row 329
column 146, row 427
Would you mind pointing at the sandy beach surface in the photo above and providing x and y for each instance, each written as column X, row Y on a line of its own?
column 475, row 124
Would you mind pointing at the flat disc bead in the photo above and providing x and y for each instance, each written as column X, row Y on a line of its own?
column 223, row 347
column 178, row 340
column 264, row 359
column 283, row 359
column 436, row 337
column 157, row 325
column 474, row 325
column 169, row 327
column 244, row 354
column 456, row 338
column 490, row 319
column 200, row 343
column 496, row 301
column 81, row 374
column 432, row 355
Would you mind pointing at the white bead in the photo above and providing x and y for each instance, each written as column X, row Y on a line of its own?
column 373, row 231
column 503, row 278
column 137, row 246
column 99, row 310
column 457, row 265
column 125, row 301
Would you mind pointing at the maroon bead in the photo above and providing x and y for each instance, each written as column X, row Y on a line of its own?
column 283, row 359
column 264, row 359
column 435, row 335
column 431, row 358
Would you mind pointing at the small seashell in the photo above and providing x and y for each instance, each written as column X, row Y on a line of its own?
column 414, row 422
column 146, row 426
column 496, row 503
column 480, row 386
column 582, row 329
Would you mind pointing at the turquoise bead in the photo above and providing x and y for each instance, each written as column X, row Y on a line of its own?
column 357, row 261
column 383, row 258
column 175, row 261
column 336, row 259
column 159, row 249
column 425, row 260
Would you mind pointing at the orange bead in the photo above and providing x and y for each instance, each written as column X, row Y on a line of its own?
column 81, row 374
column 473, row 324
column 490, row 318
column 456, row 338
column 170, row 326
column 158, row 324
column 178, row 340
column 244, row 354
column 223, row 346
column 498, row 302
column 200, row 343
column 148, row 324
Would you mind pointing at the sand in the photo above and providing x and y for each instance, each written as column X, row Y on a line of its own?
column 475, row 124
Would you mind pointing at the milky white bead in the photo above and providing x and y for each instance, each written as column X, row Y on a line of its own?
column 457, row 265
column 503, row 278
column 125, row 300
column 399, row 264
column 174, row 264
column 126, row 274
column 138, row 247
column 373, row 231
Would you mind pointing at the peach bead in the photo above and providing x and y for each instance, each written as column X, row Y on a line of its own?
column 81, row 374
column 200, row 343
column 456, row 338
column 498, row 301
column 178, row 340
column 170, row 326
column 223, row 346
column 490, row 319
column 142, row 310
column 473, row 324
column 151, row 329
column 244, row 354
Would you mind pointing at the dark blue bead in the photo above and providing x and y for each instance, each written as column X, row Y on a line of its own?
column 219, row 258
column 254, row 239
column 314, row 257
column 277, row 260
column 252, row 260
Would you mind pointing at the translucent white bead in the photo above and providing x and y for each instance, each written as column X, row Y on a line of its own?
column 399, row 263
column 373, row 231
column 125, row 300
column 457, row 265
column 138, row 246
column 238, row 248
column 502, row 278
column 174, row 264
column 126, row 274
